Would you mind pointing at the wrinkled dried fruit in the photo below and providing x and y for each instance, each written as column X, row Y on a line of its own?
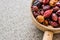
column 58, row 4
column 47, row 13
column 46, row 7
column 45, row 22
column 37, row 3
column 56, row 8
column 41, row 1
column 54, row 17
column 34, row 8
column 58, row 12
column 41, row 12
column 53, row 2
column 45, row 1
column 54, row 24
column 59, row 20
column 40, row 18
column 35, row 14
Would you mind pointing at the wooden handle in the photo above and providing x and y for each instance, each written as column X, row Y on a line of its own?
column 48, row 35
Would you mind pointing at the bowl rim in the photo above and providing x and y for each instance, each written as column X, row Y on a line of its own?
column 39, row 23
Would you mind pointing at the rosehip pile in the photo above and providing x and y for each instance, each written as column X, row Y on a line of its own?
column 47, row 12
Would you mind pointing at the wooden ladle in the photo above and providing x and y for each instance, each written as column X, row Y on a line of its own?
column 48, row 30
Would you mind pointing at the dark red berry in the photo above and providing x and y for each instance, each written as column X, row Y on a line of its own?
column 54, row 17
column 46, row 7
column 58, row 12
column 59, row 20
column 56, row 8
column 35, row 14
column 47, row 13
column 41, row 12
column 37, row 3
column 54, row 24
column 34, row 8
column 45, row 1
column 40, row 1
column 58, row 3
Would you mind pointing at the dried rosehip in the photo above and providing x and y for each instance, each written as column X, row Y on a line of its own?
column 58, row 12
column 58, row 3
column 53, row 2
column 34, row 3
column 47, row 13
column 59, row 20
column 45, row 1
column 45, row 22
column 40, row 18
column 46, row 7
column 35, row 14
column 37, row 3
column 56, row 8
column 41, row 12
column 54, row 24
column 34, row 8
column 54, row 17
column 40, row 1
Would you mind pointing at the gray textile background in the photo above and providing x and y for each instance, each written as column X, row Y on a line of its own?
column 16, row 23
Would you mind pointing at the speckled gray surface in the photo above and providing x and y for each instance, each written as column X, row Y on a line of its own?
column 16, row 23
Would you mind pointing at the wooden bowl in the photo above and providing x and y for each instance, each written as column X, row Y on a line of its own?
column 43, row 27
column 49, row 30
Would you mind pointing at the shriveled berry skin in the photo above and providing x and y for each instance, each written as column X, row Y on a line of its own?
column 54, row 24
column 47, row 13
column 40, row 18
column 59, row 20
column 45, row 22
column 58, row 12
column 58, row 4
column 34, row 8
column 45, row 1
column 35, row 14
column 37, row 3
column 53, row 2
column 56, row 8
column 46, row 7
column 40, row 1
column 54, row 17
column 41, row 12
